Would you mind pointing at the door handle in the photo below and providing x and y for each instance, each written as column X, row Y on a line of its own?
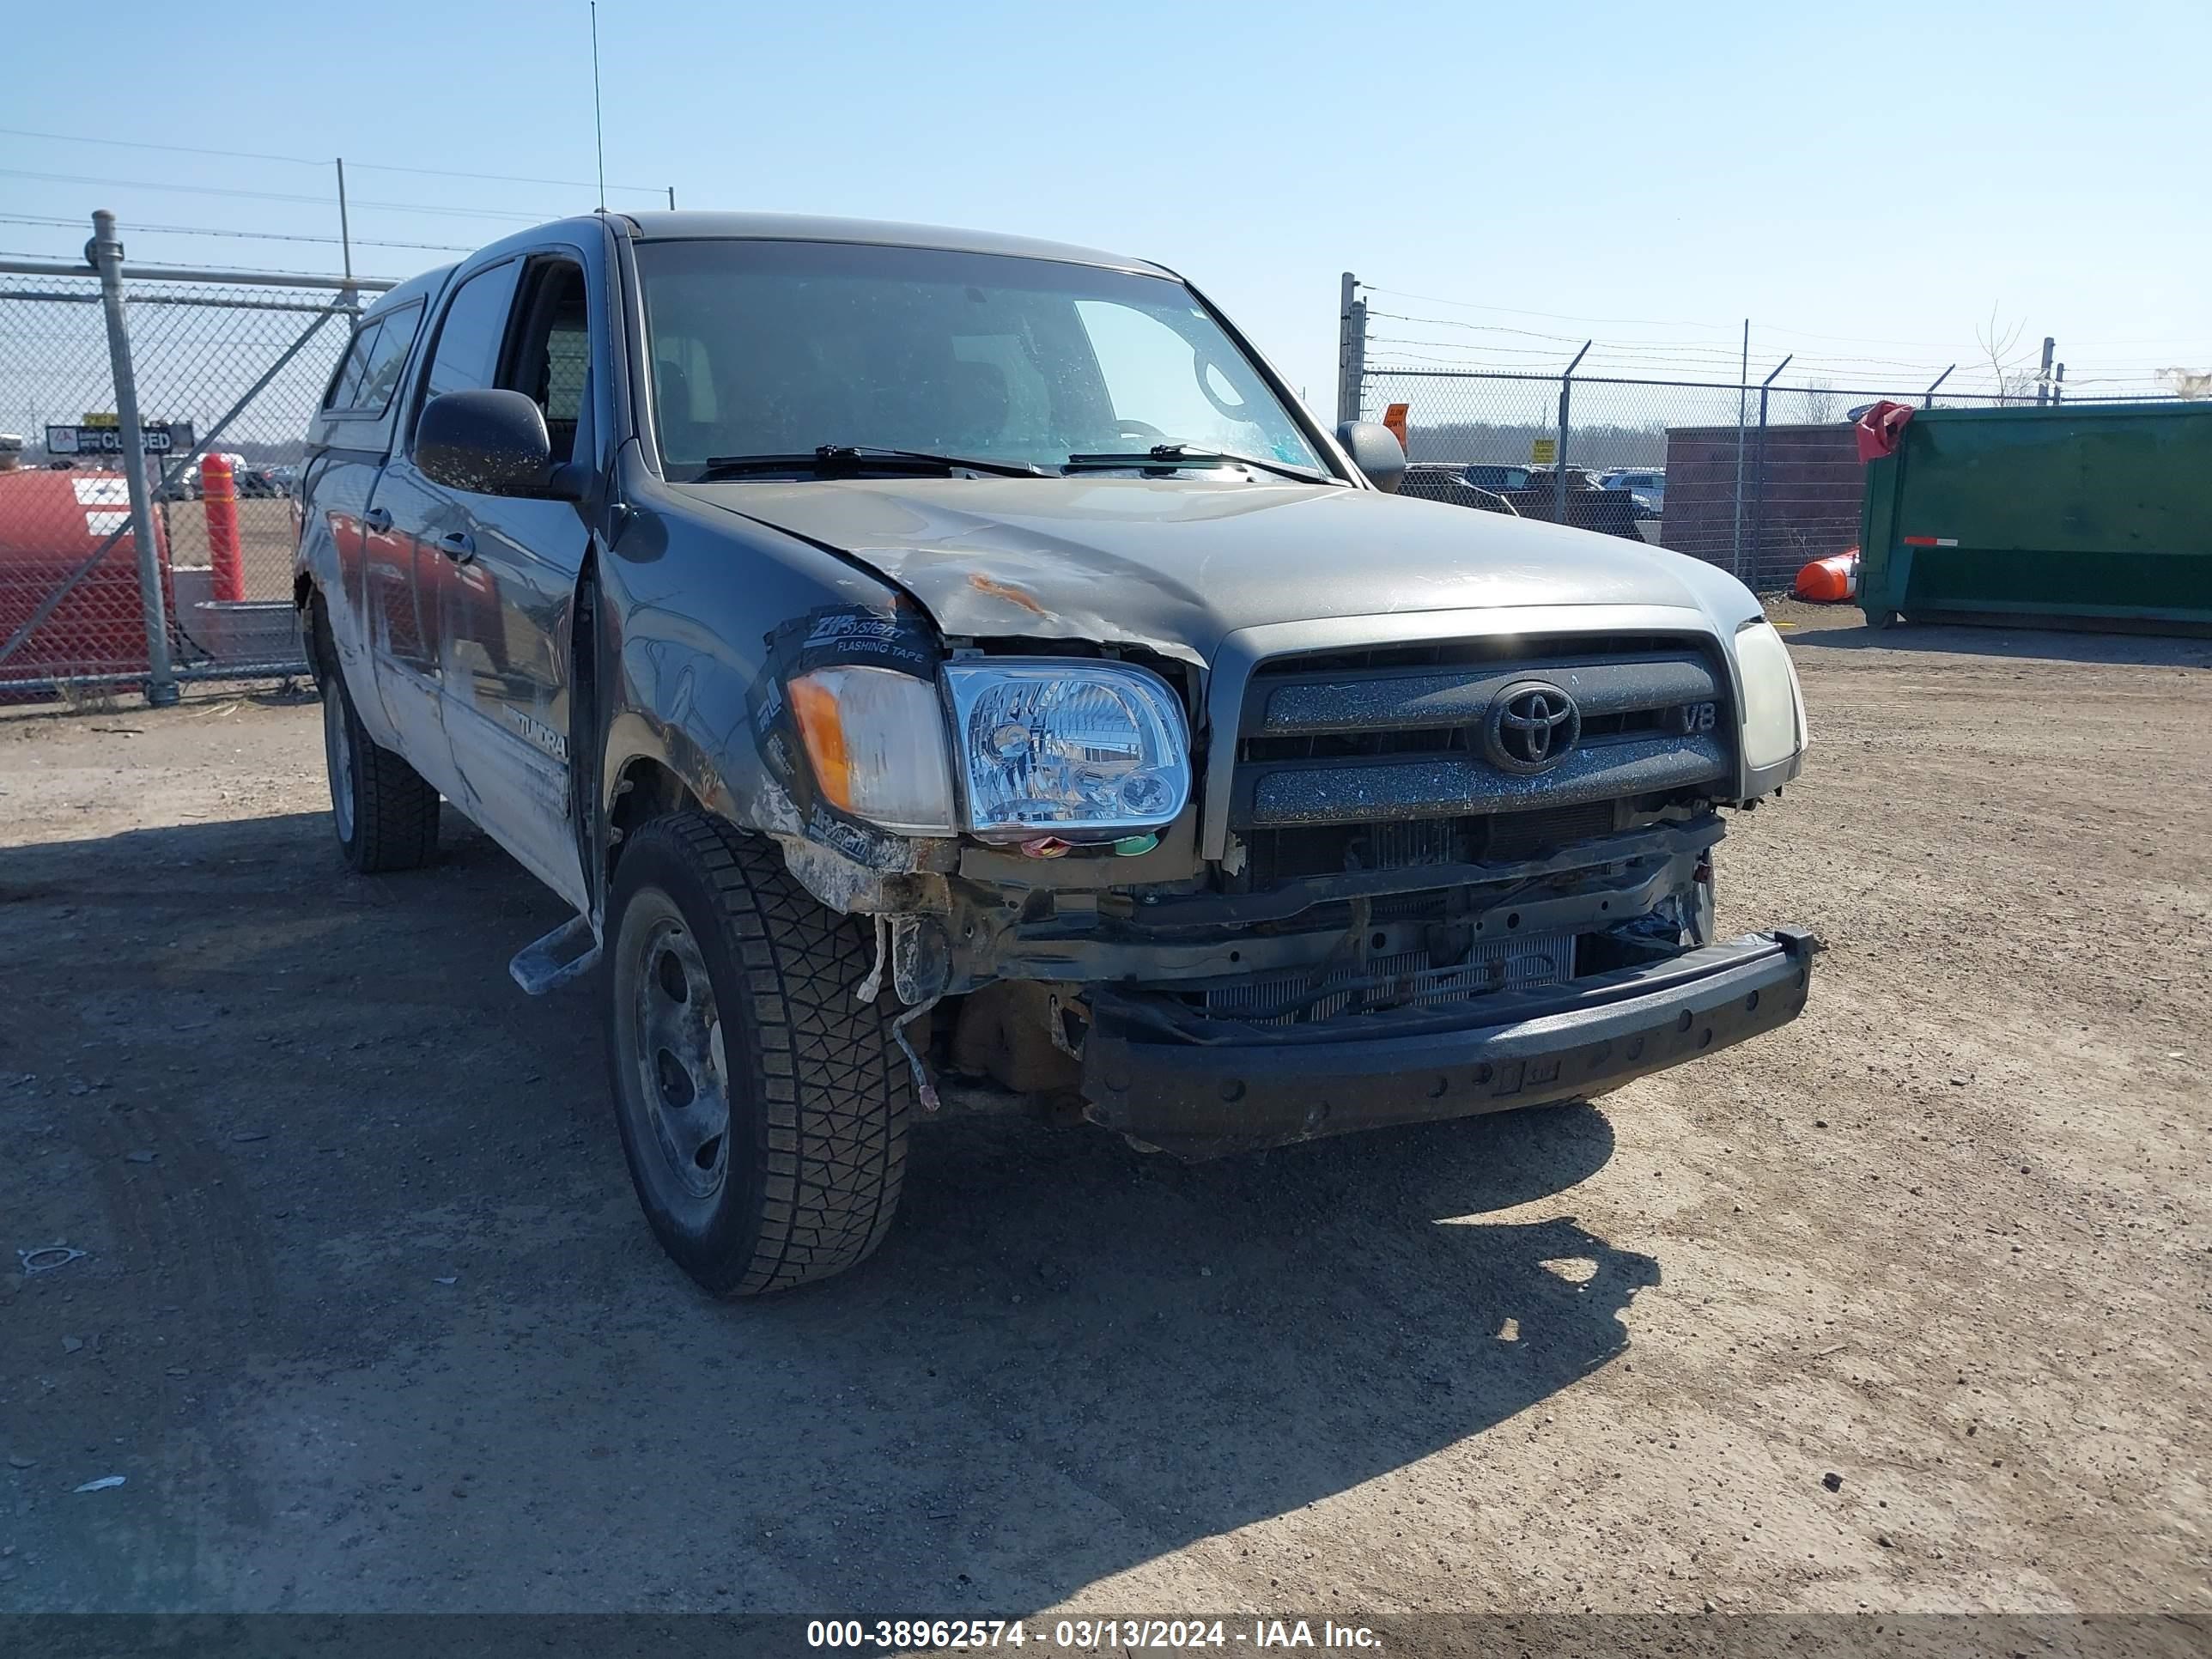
column 458, row 545
column 377, row 518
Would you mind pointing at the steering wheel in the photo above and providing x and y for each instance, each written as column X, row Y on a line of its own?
column 1205, row 369
column 1128, row 429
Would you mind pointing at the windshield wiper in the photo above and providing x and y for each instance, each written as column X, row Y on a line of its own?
column 831, row 461
column 1165, row 456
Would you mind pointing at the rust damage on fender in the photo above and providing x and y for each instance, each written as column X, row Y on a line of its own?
column 996, row 589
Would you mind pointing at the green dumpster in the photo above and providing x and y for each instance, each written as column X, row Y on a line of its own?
column 2076, row 515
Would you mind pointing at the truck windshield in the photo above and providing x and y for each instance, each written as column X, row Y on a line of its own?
column 763, row 348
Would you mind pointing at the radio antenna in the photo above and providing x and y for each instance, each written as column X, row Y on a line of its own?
column 599, row 131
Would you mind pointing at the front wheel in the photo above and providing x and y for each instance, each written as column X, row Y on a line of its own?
column 762, row 1111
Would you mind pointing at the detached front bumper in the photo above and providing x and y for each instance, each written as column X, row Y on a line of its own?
column 1242, row 1087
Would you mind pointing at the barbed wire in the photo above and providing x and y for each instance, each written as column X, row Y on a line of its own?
column 243, row 236
column 2138, row 372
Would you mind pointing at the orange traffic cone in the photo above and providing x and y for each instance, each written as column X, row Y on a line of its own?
column 1831, row 580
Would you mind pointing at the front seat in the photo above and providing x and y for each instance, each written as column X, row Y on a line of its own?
column 973, row 415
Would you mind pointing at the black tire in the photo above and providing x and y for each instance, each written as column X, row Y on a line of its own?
column 763, row 1112
column 386, row 816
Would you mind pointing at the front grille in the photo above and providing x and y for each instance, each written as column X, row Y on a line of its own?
column 1500, row 838
column 1406, row 979
column 1374, row 759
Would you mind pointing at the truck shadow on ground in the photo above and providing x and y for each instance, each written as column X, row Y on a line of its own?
column 1069, row 1360
column 2047, row 645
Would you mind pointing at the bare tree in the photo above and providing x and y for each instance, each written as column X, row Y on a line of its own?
column 2010, row 369
column 1819, row 403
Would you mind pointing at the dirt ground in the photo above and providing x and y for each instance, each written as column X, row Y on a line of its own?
column 366, row 1317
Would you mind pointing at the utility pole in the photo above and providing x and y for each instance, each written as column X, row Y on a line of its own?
column 345, row 231
column 2043, row 374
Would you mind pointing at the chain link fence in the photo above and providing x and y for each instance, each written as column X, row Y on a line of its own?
column 1760, row 477
column 1756, row 479
column 171, row 564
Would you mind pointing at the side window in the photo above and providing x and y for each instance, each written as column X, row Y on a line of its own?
column 345, row 385
column 387, row 355
column 471, row 331
column 552, row 349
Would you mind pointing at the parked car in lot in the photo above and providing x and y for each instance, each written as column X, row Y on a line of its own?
column 1648, row 483
column 949, row 672
column 1498, row 480
column 1587, row 506
column 1446, row 481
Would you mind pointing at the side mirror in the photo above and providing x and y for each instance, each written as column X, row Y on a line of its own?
column 487, row 441
column 1375, row 451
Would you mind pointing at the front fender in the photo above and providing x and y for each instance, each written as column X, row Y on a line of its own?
column 704, row 616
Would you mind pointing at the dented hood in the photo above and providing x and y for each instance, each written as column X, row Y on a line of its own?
column 1177, row 564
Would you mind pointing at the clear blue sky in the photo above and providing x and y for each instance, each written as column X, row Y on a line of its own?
column 1863, row 183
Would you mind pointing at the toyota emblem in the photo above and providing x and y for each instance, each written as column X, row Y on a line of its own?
column 1530, row 727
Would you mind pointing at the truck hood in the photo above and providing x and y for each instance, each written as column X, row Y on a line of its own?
column 1176, row 565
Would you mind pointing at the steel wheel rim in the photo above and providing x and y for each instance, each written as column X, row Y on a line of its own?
column 679, row 1068
column 338, row 755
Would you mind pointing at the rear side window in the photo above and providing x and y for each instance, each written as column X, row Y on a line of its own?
column 346, row 383
column 365, row 381
column 469, row 336
column 387, row 355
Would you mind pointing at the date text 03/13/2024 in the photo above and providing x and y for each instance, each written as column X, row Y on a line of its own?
column 1083, row 1635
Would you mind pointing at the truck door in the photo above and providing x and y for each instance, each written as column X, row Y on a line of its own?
column 372, row 613
column 415, row 530
column 509, row 592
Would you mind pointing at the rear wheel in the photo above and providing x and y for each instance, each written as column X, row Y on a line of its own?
column 386, row 816
column 762, row 1111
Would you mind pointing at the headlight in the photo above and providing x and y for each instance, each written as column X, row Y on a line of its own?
column 877, row 739
column 1050, row 744
column 1773, row 709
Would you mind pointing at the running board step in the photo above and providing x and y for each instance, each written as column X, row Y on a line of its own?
column 546, row 964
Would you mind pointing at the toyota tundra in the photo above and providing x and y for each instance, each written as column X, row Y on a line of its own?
column 947, row 672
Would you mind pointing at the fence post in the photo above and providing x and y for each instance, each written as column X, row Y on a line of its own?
column 1928, row 398
column 1759, row 486
column 1742, row 398
column 107, row 255
column 1559, row 457
column 1351, row 350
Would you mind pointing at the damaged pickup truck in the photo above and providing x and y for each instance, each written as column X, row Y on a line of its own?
column 947, row 672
